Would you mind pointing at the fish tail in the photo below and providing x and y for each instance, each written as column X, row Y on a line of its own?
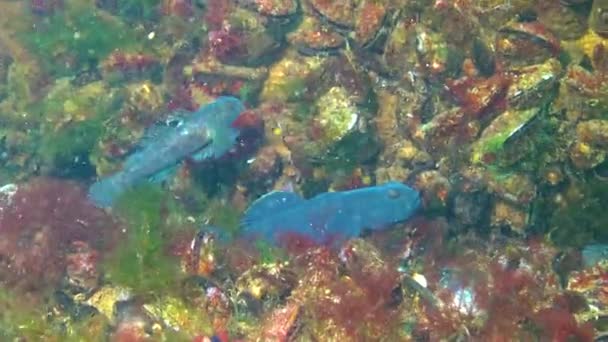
column 104, row 192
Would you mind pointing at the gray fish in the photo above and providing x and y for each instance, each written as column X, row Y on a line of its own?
column 207, row 133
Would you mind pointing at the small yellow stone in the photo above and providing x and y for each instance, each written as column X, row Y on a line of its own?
column 367, row 180
column 407, row 152
column 584, row 148
column 318, row 173
column 146, row 88
column 256, row 288
column 70, row 107
column 589, row 41
column 277, row 131
column 104, row 299
column 420, row 279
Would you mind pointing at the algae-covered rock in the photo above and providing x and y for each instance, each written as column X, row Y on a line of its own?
column 290, row 79
column 589, row 149
column 249, row 41
column 73, row 123
column 141, row 261
column 313, row 36
column 581, row 216
column 494, row 137
column 71, row 40
column 336, row 116
column 534, row 85
column 177, row 315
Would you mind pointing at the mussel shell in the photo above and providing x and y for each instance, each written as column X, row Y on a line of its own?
column 338, row 13
column 598, row 19
column 274, row 8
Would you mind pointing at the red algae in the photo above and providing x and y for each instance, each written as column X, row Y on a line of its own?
column 180, row 8
column 479, row 96
column 509, row 295
column 226, row 44
column 46, row 7
column 241, row 256
column 182, row 99
column 39, row 225
column 296, row 244
column 361, row 304
column 282, row 323
column 355, row 301
column 559, row 325
column 125, row 61
column 217, row 10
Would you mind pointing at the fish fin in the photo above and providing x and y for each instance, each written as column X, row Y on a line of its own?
column 132, row 160
column 220, row 116
column 152, row 135
column 268, row 204
column 104, row 192
column 203, row 154
column 163, row 175
column 160, row 128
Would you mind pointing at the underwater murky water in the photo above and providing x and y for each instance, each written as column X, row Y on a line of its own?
column 303, row 170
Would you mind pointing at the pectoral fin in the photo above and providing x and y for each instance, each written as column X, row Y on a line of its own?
column 268, row 205
column 164, row 175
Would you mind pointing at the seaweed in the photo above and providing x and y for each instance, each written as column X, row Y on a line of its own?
column 268, row 254
column 19, row 320
column 76, row 39
column 67, row 150
column 139, row 9
column 141, row 262
column 583, row 218
column 224, row 215
column 64, row 148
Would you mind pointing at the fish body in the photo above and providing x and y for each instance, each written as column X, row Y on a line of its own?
column 331, row 216
column 594, row 254
column 203, row 134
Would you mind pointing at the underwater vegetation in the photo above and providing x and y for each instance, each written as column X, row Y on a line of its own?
column 41, row 221
column 140, row 261
column 436, row 170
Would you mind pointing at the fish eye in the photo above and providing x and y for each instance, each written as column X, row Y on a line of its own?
column 174, row 122
column 392, row 193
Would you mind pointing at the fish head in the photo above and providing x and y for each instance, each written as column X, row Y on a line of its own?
column 391, row 203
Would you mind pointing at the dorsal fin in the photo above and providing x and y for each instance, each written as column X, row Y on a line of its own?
column 268, row 205
column 151, row 136
column 159, row 128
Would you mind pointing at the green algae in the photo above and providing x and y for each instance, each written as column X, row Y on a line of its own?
column 138, row 9
column 70, row 146
column 73, row 123
column 182, row 318
column 23, row 321
column 495, row 136
column 18, row 85
column 528, row 147
column 268, row 253
column 351, row 151
column 78, row 39
column 141, row 262
column 223, row 215
column 583, row 219
column 19, row 320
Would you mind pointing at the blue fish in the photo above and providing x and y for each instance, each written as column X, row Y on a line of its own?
column 206, row 133
column 594, row 254
column 330, row 217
